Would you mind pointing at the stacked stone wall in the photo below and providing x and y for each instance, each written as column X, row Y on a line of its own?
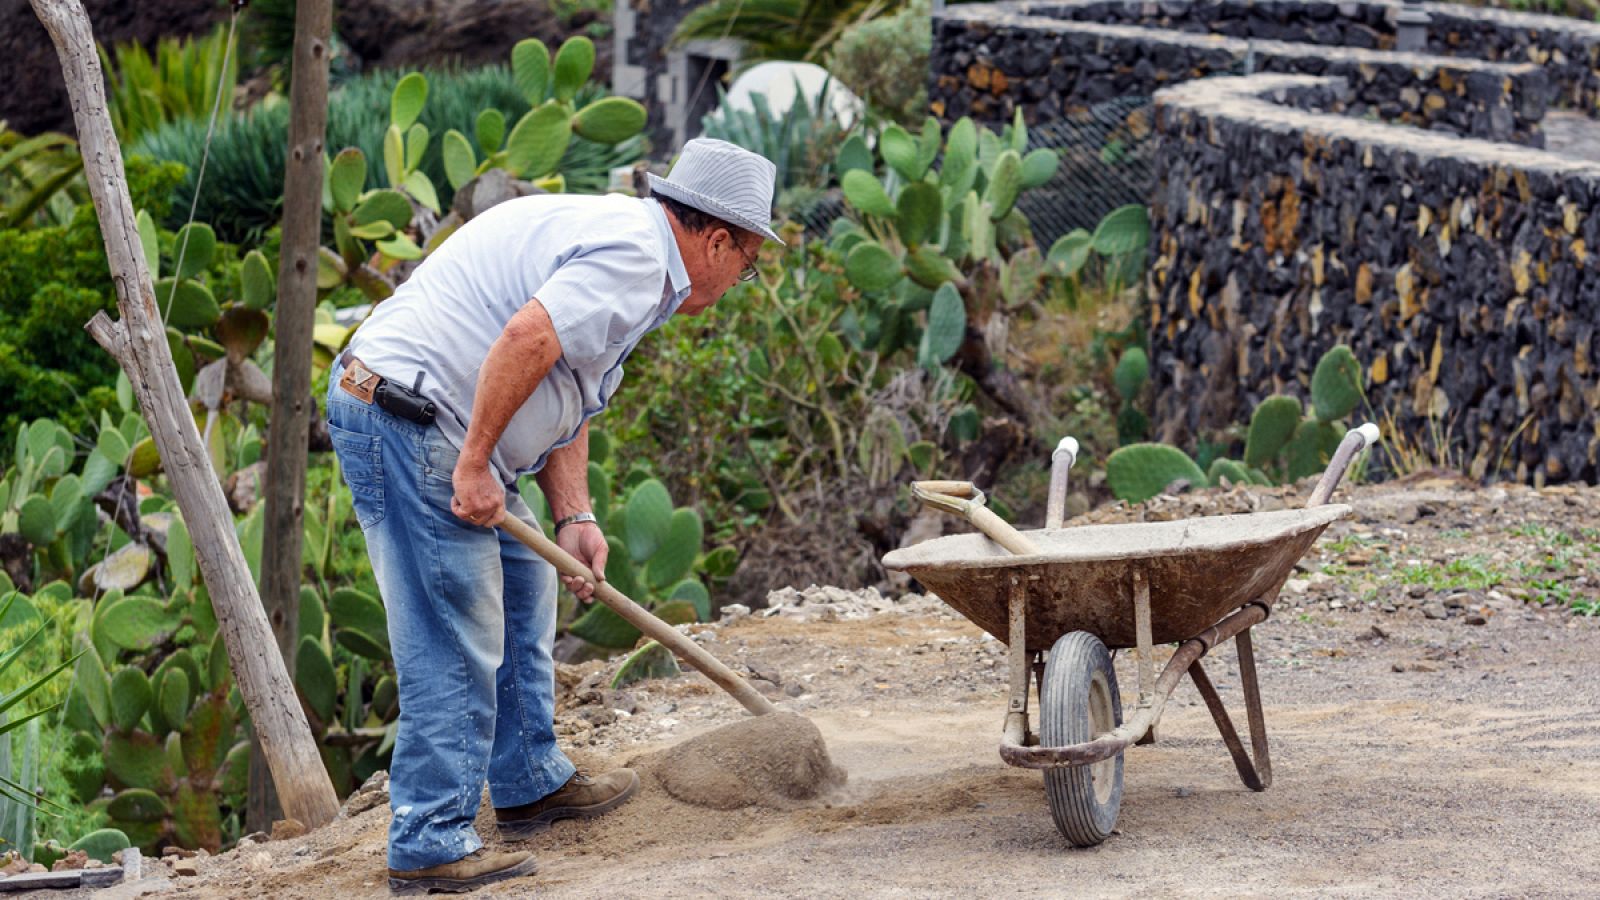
column 989, row 60
column 1460, row 271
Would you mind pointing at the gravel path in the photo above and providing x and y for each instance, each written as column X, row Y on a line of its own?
column 1441, row 742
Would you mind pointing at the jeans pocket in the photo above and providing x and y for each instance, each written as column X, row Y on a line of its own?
column 361, row 460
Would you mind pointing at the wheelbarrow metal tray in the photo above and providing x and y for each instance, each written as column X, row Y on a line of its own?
column 1199, row 570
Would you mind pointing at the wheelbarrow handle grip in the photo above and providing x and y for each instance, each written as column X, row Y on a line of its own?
column 641, row 618
column 1066, row 453
column 964, row 489
column 1355, row 441
column 966, row 501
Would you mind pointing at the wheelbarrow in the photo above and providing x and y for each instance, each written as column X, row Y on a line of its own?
column 1064, row 599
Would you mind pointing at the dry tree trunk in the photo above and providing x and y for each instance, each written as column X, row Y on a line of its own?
column 138, row 341
column 291, row 371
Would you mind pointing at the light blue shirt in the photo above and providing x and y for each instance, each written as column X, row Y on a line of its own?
column 606, row 269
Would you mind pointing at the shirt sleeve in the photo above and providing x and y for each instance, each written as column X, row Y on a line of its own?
column 600, row 297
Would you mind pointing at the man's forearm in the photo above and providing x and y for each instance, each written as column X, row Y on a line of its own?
column 518, row 360
column 565, row 477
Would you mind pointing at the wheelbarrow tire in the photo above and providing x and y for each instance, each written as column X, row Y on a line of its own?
column 1079, row 700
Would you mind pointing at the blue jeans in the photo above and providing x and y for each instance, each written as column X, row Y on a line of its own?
column 472, row 617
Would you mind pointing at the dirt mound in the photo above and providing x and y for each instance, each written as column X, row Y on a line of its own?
column 778, row 761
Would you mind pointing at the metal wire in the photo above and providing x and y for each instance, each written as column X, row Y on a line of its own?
column 1107, row 153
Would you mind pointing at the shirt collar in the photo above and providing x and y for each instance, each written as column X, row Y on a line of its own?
column 677, row 275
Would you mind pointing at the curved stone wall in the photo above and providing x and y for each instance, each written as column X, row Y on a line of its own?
column 1460, row 271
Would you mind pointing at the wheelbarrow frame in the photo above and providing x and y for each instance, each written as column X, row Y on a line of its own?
column 1019, row 744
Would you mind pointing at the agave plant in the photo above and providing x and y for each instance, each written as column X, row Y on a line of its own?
column 182, row 81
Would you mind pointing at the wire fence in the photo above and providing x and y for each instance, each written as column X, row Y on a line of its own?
column 1107, row 153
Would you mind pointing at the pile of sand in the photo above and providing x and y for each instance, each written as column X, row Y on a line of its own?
column 777, row 761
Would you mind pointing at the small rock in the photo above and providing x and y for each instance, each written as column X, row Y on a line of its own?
column 1377, row 634
column 733, row 612
column 1476, row 618
column 1297, row 585
column 1458, row 600
column 1417, row 591
column 287, row 829
column 186, row 868
column 177, row 852
column 259, row 861
column 302, row 851
column 75, row 859
column 1433, row 609
column 1183, row 792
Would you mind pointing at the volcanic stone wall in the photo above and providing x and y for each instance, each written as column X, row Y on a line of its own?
column 990, row 59
column 1569, row 49
column 1460, row 271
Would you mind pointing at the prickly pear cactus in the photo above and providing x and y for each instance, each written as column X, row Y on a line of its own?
column 937, row 227
column 170, row 745
column 655, row 551
column 1336, row 384
column 1138, row 472
column 1271, row 426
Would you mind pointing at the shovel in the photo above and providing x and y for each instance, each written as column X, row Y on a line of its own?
column 641, row 618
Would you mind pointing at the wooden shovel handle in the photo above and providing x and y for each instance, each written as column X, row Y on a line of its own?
column 641, row 618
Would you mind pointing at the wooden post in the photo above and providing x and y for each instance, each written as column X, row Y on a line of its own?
column 291, row 371
column 139, row 343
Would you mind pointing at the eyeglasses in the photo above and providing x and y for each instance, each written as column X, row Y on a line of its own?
column 748, row 273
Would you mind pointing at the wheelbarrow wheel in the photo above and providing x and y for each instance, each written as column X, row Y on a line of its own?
column 1079, row 700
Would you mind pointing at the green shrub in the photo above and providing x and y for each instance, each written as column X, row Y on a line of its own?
column 885, row 62
column 53, row 281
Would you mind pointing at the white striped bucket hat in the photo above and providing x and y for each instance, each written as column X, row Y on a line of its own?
column 723, row 180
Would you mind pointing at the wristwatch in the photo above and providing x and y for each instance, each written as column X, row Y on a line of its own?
column 574, row 519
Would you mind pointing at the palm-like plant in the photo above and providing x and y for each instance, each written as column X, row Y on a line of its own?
column 779, row 29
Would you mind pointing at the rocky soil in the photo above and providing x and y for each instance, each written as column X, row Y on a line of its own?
column 1428, row 678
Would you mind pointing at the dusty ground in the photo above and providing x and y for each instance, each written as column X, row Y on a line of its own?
column 1430, row 696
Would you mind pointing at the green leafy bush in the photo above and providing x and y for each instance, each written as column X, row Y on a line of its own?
column 885, row 62
column 54, row 279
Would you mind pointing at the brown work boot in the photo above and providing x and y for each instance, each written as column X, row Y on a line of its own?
column 581, row 797
column 470, row 872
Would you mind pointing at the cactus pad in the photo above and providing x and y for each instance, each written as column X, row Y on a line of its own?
column 650, row 661
column 1336, row 384
column 610, row 120
column 102, row 844
column 648, row 517
column 866, row 193
column 1133, row 369
column 1141, row 471
column 537, row 142
column 899, row 150
column 947, row 327
column 1005, row 183
column 871, row 268
column 675, row 557
column 574, row 62
column 1271, row 426
column 919, row 213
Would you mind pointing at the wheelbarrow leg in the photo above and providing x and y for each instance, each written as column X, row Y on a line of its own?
column 1256, row 775
column 1016, row 726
